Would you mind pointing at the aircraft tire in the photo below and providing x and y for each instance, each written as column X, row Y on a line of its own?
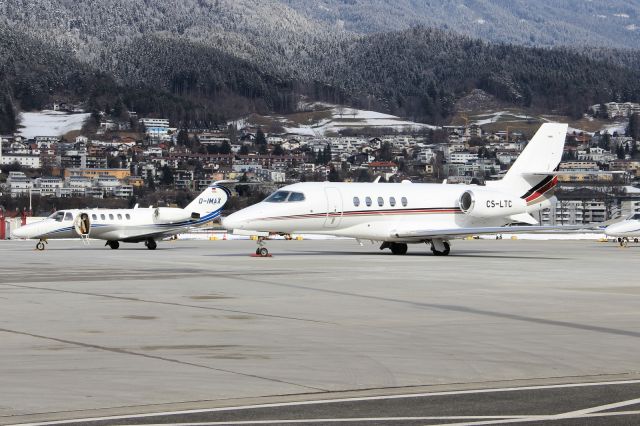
column 151, row 244
column 635, row 240
column 262, row 251
column 445, row 252
column 114, row 245
column 398, row 248
column 40, row 246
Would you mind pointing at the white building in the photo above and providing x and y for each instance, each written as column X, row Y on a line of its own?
column 462, row 157
column 49, row 185
column 28, row 161
column 19, row 184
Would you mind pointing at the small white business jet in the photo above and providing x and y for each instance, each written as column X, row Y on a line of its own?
column 398, row 214
column 625, row 230
column 127, row 225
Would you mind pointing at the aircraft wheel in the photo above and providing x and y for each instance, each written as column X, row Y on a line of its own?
column 40, row 246
column 262, row 251
column 114, row 245
column 635, row 240
column 399, row 248
column 151, row 244
column 445, row 252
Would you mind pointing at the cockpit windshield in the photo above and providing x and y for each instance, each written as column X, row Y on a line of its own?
column 57, row 216
column 284, row 197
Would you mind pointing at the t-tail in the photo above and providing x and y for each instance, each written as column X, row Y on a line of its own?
column 532, row 176
column 208, row 205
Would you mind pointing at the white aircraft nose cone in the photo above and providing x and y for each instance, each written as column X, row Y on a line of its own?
column 231, row 222
column 19, row 233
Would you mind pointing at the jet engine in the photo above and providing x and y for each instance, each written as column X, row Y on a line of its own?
column 482, row 203
column 170, row 215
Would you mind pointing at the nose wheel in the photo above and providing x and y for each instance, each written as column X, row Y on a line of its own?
column 151, row 244
column 261, row 251
column 40, row 245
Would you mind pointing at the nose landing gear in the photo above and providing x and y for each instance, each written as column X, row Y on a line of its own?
column 40, row 245
column 261, row 251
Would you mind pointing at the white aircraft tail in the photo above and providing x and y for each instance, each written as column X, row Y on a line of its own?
column 531, row 175
column 209, row 203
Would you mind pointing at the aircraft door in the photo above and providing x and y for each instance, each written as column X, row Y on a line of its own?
column 334, row 207
column 82, row 224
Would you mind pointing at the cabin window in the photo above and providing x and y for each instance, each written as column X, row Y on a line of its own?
column 68, row 216
column 392, row 201
column 110, row 217
column 356, row 201
column 403, row 200
column 57, row 216
column 94, row 216
column 102, row 217
column 128, row 216
column 277, row 197
column 119, row 216
column 295, row 196
column 380, row 201
column 368, row 201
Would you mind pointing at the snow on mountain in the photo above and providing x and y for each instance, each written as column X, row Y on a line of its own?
column 50, row 123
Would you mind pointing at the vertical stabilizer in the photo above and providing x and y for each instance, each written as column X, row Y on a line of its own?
column 528, row 176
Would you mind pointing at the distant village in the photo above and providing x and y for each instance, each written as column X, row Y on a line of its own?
column 123, row 159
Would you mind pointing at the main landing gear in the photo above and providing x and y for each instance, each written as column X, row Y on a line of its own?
column 396, row 248
column 151, row 244
column 40, row 245
column 114, row 245
column 440, row 247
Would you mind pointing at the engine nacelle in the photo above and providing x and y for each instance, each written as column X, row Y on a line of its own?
column 170, row 215
column 482, row 203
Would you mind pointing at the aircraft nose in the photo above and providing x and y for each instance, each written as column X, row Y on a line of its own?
column 613, row 230
column 20, row 233
column 233, row 221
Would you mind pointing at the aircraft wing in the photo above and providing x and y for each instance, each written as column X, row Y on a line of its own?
column 465, row 232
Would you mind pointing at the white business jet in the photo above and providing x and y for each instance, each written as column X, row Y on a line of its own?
column 625, row 230
column 398, row 214
column 127, row 225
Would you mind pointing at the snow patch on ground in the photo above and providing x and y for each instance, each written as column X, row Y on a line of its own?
column 494, row 117
column 50, row 123
column 342, row 118
column 345, row 118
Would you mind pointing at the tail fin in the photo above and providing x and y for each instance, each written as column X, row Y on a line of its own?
column 209, row 204
column 531, row 175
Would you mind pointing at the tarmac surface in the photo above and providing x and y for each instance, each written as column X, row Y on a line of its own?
column 196, row 327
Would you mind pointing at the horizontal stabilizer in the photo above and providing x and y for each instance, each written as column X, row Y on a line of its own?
column 523, row 218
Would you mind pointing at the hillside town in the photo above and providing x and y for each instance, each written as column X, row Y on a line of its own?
column 124, row 159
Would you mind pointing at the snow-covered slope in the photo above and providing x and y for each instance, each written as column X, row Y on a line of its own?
column 50, row 123
column 333, row 119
